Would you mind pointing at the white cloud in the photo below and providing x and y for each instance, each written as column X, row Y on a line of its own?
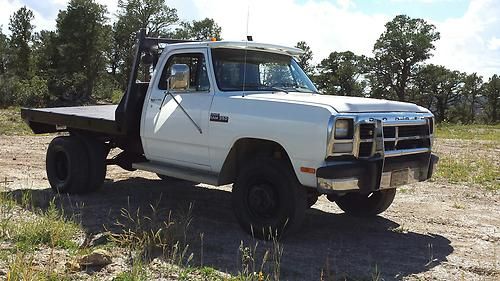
column 469, row 43
column 466, row 43
column 346, row 4
column 494, row 44
column 11, row 6
column 8, row 7
column 325, row 26
column 421, row 1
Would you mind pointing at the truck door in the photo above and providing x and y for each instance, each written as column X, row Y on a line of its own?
column 168, row 134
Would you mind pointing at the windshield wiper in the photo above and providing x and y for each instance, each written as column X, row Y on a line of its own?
column 272, row 88
column 278, row 89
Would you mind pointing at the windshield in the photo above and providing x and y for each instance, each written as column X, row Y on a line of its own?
column 258, row 71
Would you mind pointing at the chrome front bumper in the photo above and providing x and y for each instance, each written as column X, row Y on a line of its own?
column 375, row 174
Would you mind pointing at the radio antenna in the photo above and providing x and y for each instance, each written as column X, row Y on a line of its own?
column 246, row 51
column 248, row 17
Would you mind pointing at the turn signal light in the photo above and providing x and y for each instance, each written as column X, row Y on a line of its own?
column 308, row 170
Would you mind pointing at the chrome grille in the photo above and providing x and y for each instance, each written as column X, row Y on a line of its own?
column 397, row 138
column 383, row 134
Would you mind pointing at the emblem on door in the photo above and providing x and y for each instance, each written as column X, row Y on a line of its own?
column 216, row 117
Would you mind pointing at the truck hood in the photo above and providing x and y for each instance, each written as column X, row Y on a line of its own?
column 342, row 104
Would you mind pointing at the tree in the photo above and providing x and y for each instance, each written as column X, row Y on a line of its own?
column 442, row 85
column 45, row 53
column 154, row 15
column 306, row 58
column 4, row 48
column 342, row 74
column 492, row 99
column 405, row 43
column 202, row 30
column 21, row 37
column 81, row 31
column 471, row 91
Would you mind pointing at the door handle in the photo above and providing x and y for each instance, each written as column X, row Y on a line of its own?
column 152, row 99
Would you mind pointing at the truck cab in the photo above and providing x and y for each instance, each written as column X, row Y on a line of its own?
column 246, row 114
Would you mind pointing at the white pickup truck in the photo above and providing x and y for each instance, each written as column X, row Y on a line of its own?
column 243, row 113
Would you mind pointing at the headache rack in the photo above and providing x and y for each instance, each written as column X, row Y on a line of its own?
column 147, row 51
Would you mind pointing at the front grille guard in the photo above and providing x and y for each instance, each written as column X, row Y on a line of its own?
column 378, row 146
column 378, row 140
column 378, row 136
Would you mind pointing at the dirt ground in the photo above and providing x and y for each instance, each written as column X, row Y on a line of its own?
column 433, row 230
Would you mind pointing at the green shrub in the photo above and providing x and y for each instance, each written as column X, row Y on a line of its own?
column 105, row 88
column 33, row 92
column 7, row 94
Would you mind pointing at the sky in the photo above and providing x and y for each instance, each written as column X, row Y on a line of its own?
column 470, row 29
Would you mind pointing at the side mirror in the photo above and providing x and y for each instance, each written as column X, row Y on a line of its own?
column 179, row 77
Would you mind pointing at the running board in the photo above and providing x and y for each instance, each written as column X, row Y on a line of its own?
column 177, row 172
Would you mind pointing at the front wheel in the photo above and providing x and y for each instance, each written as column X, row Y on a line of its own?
column 364, row 205
column 267, row 199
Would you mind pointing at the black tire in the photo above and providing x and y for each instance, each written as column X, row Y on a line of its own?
column 67, row 165
column 311, row 200
column 97, row 154
column 365, row 205
column 267, row 199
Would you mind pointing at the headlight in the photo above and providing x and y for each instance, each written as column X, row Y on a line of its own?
column 340, row 134
column 343, row 129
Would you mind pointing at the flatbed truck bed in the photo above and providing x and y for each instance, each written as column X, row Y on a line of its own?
column 96, row 118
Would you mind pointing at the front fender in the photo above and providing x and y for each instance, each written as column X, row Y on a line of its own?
column 301, row 129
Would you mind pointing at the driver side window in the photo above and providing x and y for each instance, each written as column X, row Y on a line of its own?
column 198, row 76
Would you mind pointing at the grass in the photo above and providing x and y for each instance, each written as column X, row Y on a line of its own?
column 469, row 169
column 11, row 122
column 468, row 132
column 29, row 230
column 400, row 229
column 49, row 228
column 466, row 166
column 147, row 236
column 38, row 237
column 22, row 268
column 137, row 272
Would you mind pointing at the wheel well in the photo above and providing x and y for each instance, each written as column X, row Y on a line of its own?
column 246, row 149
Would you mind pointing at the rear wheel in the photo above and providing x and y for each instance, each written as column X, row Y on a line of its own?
column 67, row 165
column 97, row 154
column 76, row 165
column 267, row 199
column 366, row 204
